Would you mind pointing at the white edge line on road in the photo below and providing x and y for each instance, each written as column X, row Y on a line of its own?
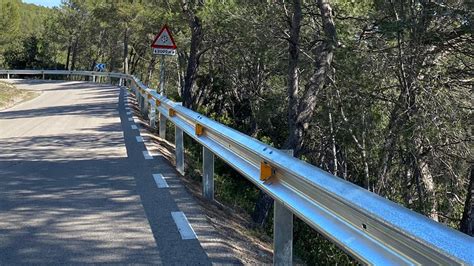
column 184, row 228
column 160, row 181
column 147, row 155
column 139, row 138
column 134, row 127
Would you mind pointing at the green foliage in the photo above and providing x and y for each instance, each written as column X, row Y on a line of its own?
column 21, row 35
column 33, row 54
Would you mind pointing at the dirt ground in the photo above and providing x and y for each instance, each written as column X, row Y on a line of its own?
column 10, row 95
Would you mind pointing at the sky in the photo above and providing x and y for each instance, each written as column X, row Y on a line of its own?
column 47, row 3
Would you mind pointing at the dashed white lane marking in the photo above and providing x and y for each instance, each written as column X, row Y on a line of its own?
column 184, row 228
column 160, row 181
column 130, row 119
column 139, row 138
column 134, row 127
column 147, row 155
column 129, row 113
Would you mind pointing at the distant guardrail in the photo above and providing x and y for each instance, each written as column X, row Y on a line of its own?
column 368, row 227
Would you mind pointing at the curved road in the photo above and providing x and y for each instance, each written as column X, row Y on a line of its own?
column 75, row 187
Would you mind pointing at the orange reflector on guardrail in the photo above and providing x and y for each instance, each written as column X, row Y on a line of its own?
column 171, row 112
column 199, row 129
column 266, row 171
column 157, row 102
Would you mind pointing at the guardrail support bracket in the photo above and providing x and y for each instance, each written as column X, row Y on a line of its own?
column 207, row 173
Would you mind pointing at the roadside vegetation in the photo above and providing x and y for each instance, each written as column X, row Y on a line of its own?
column 378, row 93
column 10, row 95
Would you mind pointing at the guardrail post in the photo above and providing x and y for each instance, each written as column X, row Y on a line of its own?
column 141, row 101
column 152, row 115
column 8, row 75
column 282, row 232
column 162, row 126
column 207, row 173
column 42, row 74
column 179, row 147
column 146, row 105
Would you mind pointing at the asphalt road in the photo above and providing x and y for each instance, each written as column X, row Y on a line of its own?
column 75, row 187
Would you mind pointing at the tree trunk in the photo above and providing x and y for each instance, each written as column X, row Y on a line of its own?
column 293, row 69
column 430, row 189
column 322, row 66
column 151, row 67
column 467, row 221
column 125, row 51
column 74, row 54
column 334, row 168
column 193, row 61
column 67, row 57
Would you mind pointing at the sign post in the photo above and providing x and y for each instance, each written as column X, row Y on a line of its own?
column 163, row 45
column 100, row 67
column 162, row 75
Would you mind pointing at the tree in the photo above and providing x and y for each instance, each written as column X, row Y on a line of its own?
column 194, row 22
column 302, row 105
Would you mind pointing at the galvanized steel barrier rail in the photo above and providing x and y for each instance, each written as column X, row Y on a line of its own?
column 370, row 228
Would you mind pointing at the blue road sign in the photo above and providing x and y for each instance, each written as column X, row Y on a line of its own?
column 100, row 67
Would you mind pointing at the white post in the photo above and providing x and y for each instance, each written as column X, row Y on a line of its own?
column 282, row 232
column 207, row 173
column 8, row 75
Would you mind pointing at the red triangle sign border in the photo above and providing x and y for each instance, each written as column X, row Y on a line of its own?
column 165, row 28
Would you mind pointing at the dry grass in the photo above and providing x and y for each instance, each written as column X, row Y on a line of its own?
column 10, row 95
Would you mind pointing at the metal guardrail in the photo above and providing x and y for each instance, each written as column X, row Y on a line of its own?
column 62, row 72
column 370, row 228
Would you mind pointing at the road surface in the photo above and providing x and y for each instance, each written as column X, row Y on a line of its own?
column 76, row 188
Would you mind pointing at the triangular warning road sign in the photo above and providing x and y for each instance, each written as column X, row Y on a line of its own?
column 164, row 39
